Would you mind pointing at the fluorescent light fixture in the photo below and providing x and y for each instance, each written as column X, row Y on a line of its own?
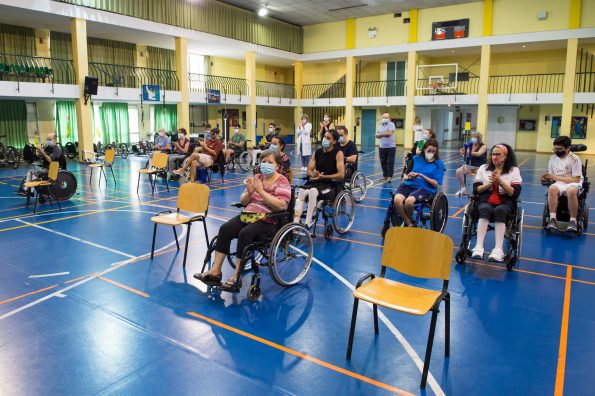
column 262, row 11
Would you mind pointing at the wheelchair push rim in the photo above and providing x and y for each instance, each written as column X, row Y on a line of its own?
column 439, row 212
column 343, row 213
column 290, row 256
column 244, row 161
column 358, row 186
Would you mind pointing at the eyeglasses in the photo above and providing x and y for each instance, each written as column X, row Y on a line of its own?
column 431, row 151
column 496, row 154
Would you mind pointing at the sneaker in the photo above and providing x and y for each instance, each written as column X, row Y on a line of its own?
column 477, row 253
column 179, row 172
column 462, row 192
column 552, row 225
column 572, row 226
column 497, row 255
column 23, row 193
column 389, row 179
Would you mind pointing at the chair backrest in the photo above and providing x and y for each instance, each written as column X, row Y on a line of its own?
column 159, row 160
column 110, row 154
column 194, row 198
column 431, row 257
column 53, row 171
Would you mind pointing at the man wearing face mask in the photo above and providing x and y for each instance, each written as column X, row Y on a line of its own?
column 324, row 170
column 204, row 155
column 51, row 152
column 387, row 147
column 565, row 171
column 236, row 144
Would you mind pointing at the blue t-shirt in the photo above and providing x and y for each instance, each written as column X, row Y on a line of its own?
column 433, row 170
column 162, row 141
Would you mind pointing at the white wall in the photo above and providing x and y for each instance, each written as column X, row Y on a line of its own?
column 502, row 124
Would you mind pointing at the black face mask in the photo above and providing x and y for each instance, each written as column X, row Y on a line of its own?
column 560, row 153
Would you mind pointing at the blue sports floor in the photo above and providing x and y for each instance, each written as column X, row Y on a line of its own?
column 105, row 319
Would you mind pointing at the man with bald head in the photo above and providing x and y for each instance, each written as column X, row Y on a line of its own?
column 51, row 152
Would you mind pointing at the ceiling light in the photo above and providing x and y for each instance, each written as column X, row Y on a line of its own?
column 524, row 46
column 453, row 51
column 262, row 11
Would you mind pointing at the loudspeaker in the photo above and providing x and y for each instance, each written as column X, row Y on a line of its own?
column 90, row 85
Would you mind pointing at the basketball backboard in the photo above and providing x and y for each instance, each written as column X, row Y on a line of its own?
column 437, row 79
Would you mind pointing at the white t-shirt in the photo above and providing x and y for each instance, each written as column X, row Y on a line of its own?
column 512, row 177
column 569, row 166
column 418, row 131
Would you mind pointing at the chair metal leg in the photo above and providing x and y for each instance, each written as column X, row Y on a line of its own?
column 91, row 176
column 166, row 183
column 375, row 319
column 447, row 325
column 424, row 375
column 36, row 198
column 204, row 223
column 352, row 328
column 153, row 181
column 153, row 245
column 186, row 248
column 113, row 175
column 53, row 194
column 102, row 173
column 138, row 183
column 176, row 236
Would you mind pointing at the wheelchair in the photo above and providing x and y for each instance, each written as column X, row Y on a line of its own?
column 356, row 181
column 240, row 158
column 429, row 213
column 512, row 236
column 562, row 212
column 286, row 250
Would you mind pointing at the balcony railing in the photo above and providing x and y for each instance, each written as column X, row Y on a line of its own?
column 133, row 77
column 323, row 91
column 584, row 82
column 21, row 68
column 526, row 83
column 274, row 90
column 202, row 83
column 370, row 89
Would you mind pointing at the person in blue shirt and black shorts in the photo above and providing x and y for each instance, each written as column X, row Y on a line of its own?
column 421, row 181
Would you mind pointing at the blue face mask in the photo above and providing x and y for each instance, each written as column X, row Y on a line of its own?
column 208, row 136
column 473, row 140
column 51, row 143
column 273, row 147
column 342, row 139
column 267, row 169
column 326, row 143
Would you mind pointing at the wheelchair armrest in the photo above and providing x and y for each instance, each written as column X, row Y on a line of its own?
column 278, row 214
column 237, row 204
column 163, row 212
column 547, row 183
column 363, row 278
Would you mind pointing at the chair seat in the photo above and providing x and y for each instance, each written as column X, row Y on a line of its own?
column 95, row 165
column 171, row 219
column 148, row 171
column 397, row 296
column 38, row 183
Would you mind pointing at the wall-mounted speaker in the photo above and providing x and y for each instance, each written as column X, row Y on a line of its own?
column 91, row 85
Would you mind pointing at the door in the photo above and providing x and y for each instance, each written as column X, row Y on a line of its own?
column 368, row 128
column 395, row 75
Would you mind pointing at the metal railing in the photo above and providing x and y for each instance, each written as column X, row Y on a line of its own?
column 274, row 90
column 22, row 68
column 323, row 91
column 121, row 76
column 202, row 83
column 526, row 83
column 370, row 89
column 469, row 86
column 584, row 82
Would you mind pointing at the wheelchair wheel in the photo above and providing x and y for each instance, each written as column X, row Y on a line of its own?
column 12, row 157
column 290, row 256
column 328, row 232
column 244, row 161
column 439, row 212
column 253, row 292
column 358, row 186
column 211, row 250
column 70, row 150
column 65, row 186
column 585, row 218
column 29, row 153
column 468, row 231
column 343, row 213
column 124, row 151
column 515, row 241
column 546, row 215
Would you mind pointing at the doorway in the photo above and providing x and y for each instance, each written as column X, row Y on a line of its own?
column 368, row 128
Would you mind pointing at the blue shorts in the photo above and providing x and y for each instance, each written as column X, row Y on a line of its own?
column 413, row 191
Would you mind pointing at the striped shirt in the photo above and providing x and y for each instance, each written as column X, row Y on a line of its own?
column 280, row 189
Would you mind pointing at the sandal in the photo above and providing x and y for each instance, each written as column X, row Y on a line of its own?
column 232, row 285
column 208, row 279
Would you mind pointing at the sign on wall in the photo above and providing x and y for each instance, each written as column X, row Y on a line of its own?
column 449, row 30
column 151, row 93
column 214, row 96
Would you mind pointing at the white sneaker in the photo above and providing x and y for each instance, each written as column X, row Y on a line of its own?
column 497, row 255
column 477, row 252
column 462, row 192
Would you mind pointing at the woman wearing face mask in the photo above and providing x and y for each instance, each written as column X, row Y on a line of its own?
column 421, row 181
column 497, row 186
column 476, row 156
column 425, row 135
column 278, row 145
column 325, row 169
column 264, row 143
column 325, row 125
column 163, row 143
column 418, row 130
column 181, row 151
column 264, row 193
column 303, row 141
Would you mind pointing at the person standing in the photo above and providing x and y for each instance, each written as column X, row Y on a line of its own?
column 387, row 147
column 325, row 125
column 304, row 142
column 418, row 130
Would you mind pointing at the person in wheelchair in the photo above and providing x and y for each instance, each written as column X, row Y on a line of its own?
column 497, row 186
column 325, row 169
column 420, row 182
column 476, row 155
column 349, row 150
column 181, row 149
column 236, row 144
column 162, row 143
column 565, row 173
column 204, row 155
column 51, row 152
column 266, row 192
column 278, row 144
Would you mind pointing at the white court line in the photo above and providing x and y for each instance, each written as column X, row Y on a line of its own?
column 49, row 275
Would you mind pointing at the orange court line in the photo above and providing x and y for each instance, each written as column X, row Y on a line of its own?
column 559, row 388
column 130, row 289
column 27, row 294
column 76, row 279
column 302, row 355
column 458, row 211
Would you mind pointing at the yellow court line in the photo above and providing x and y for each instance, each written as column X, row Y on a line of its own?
column 524, row 162
column 301, row 355
column 559, row 388
column 128, row 288
column 27, row 294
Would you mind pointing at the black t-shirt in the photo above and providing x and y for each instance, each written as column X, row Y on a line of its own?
column 54, row 152
column 348, row 150
column 326, row 163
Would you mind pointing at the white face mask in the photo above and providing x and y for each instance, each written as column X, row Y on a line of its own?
column 181, row 135
column 236, row 130
column 429, row 156
column 326, row 119
column 425, row 135
column 162, row 134
column 385, row 120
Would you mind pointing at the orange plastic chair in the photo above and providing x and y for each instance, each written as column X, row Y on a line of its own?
column 108, row 161
column 50, row 182
column 158, row 165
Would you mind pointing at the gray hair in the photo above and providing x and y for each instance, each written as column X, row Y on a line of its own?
column 274, row 153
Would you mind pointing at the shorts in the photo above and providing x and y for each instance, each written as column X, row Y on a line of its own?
column 205, row 159
column 562, row 187
column 413, row 191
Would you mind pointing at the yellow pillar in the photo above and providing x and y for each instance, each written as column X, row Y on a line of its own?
column 413, row 22
column 574, row 16
column 410, row 104
column 349, row 86
column 251, row 110
column 298, row 81
column 488, row 9
column 350, row 36
column 182, row 74
column 44, row 108
column 78, row 28
column 482, row 100
column 568, row 90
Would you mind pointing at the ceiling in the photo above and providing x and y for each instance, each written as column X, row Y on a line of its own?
column 310, row 12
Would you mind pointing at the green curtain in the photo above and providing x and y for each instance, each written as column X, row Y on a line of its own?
column 166, row 117
column 13, row 123
column 114, row 122
column 17, row 40
column 66, row 123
